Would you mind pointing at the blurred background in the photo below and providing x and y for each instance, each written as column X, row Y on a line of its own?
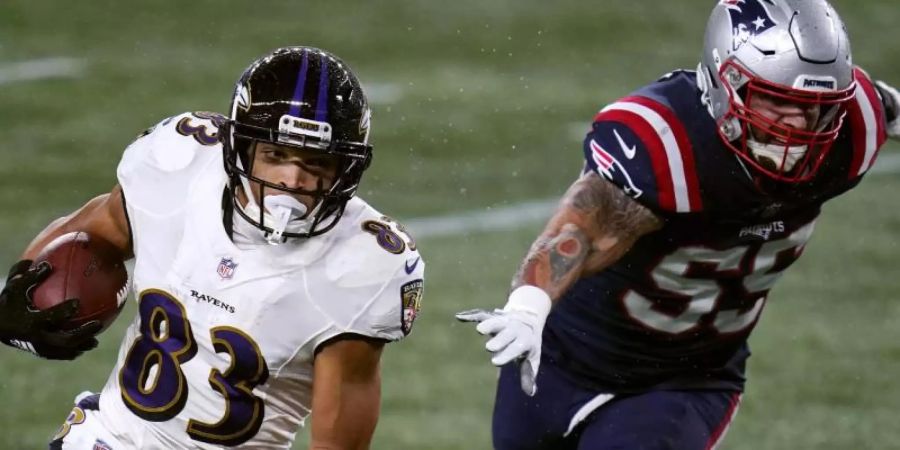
column 479, row 108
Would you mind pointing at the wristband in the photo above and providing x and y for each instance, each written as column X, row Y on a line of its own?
column 531, row 299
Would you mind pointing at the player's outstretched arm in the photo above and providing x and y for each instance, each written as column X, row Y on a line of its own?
column 346, row 394
column 24, row 327
column 595, row 224
column 890, row 97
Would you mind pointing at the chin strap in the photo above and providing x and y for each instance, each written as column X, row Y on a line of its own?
column 890, row 97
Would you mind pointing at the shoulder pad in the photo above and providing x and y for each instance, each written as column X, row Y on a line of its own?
column 171, row 144
column 641, row 145
column 372, row 246
column 167, row 157
column 376, row 263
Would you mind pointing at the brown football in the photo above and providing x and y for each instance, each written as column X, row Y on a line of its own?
column 87, row 268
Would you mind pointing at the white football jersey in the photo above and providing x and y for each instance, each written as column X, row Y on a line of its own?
column 221, row 351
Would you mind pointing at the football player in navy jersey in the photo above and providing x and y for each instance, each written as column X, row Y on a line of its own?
column 698, row 191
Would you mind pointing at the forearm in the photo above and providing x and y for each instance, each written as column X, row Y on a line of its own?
column 349, row 424
column 55, row 229
column 595, row 225
column 103, row 216
column 554, row 261
column 346, row 394
column 890, row 99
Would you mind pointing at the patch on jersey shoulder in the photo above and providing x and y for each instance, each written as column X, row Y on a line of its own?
column 411, row 300
column 75, row 417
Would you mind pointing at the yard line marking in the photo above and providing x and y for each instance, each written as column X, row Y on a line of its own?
column 39, row 69
column 383, row 93
column 527, row 213
column 490, row 219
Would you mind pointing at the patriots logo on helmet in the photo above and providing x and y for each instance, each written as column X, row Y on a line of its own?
column 748, row 18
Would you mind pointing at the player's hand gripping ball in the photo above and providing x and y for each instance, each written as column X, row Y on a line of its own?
column 86, row 268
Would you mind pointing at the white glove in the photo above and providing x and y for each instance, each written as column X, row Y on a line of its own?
column 516, row 331
column 893, row 128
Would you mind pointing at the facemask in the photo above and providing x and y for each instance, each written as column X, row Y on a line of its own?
column 283, row 213
column 775, row 153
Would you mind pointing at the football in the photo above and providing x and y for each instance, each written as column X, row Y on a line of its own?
column 87, row 268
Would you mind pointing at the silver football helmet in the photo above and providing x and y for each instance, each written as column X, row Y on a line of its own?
column 789, row 52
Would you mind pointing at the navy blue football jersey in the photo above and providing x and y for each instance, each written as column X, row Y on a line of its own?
column 676, row 310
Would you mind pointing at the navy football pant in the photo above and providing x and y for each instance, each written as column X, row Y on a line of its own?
column 565, row 416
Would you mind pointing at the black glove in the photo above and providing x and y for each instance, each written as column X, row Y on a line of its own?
column 25, row 327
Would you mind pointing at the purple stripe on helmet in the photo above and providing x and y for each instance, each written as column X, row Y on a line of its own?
column 322, row 101
column 298, row 89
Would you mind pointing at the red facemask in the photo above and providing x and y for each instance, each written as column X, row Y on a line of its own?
column 772, row 147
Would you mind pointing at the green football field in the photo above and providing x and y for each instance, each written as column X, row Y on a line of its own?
column 479, row 106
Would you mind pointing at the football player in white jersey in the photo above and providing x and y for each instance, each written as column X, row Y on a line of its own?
column 266, row 291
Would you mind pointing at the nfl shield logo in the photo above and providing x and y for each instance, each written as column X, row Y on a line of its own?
column 100, row 445
column 226, row 268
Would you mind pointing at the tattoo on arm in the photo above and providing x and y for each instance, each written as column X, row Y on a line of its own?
column 567, row 250
column 614, row 213
column 596, row 224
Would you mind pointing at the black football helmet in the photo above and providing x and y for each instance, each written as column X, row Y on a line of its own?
column 298, row 97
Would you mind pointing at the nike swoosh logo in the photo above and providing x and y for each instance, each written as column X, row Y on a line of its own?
column 629, row 151
column 410, row 268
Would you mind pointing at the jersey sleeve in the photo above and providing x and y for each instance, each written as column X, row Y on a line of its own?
column 375, row 281
column 383, row 311
column 152, row 150
column 868, row 124
column 394, row 309
column 641, row 146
